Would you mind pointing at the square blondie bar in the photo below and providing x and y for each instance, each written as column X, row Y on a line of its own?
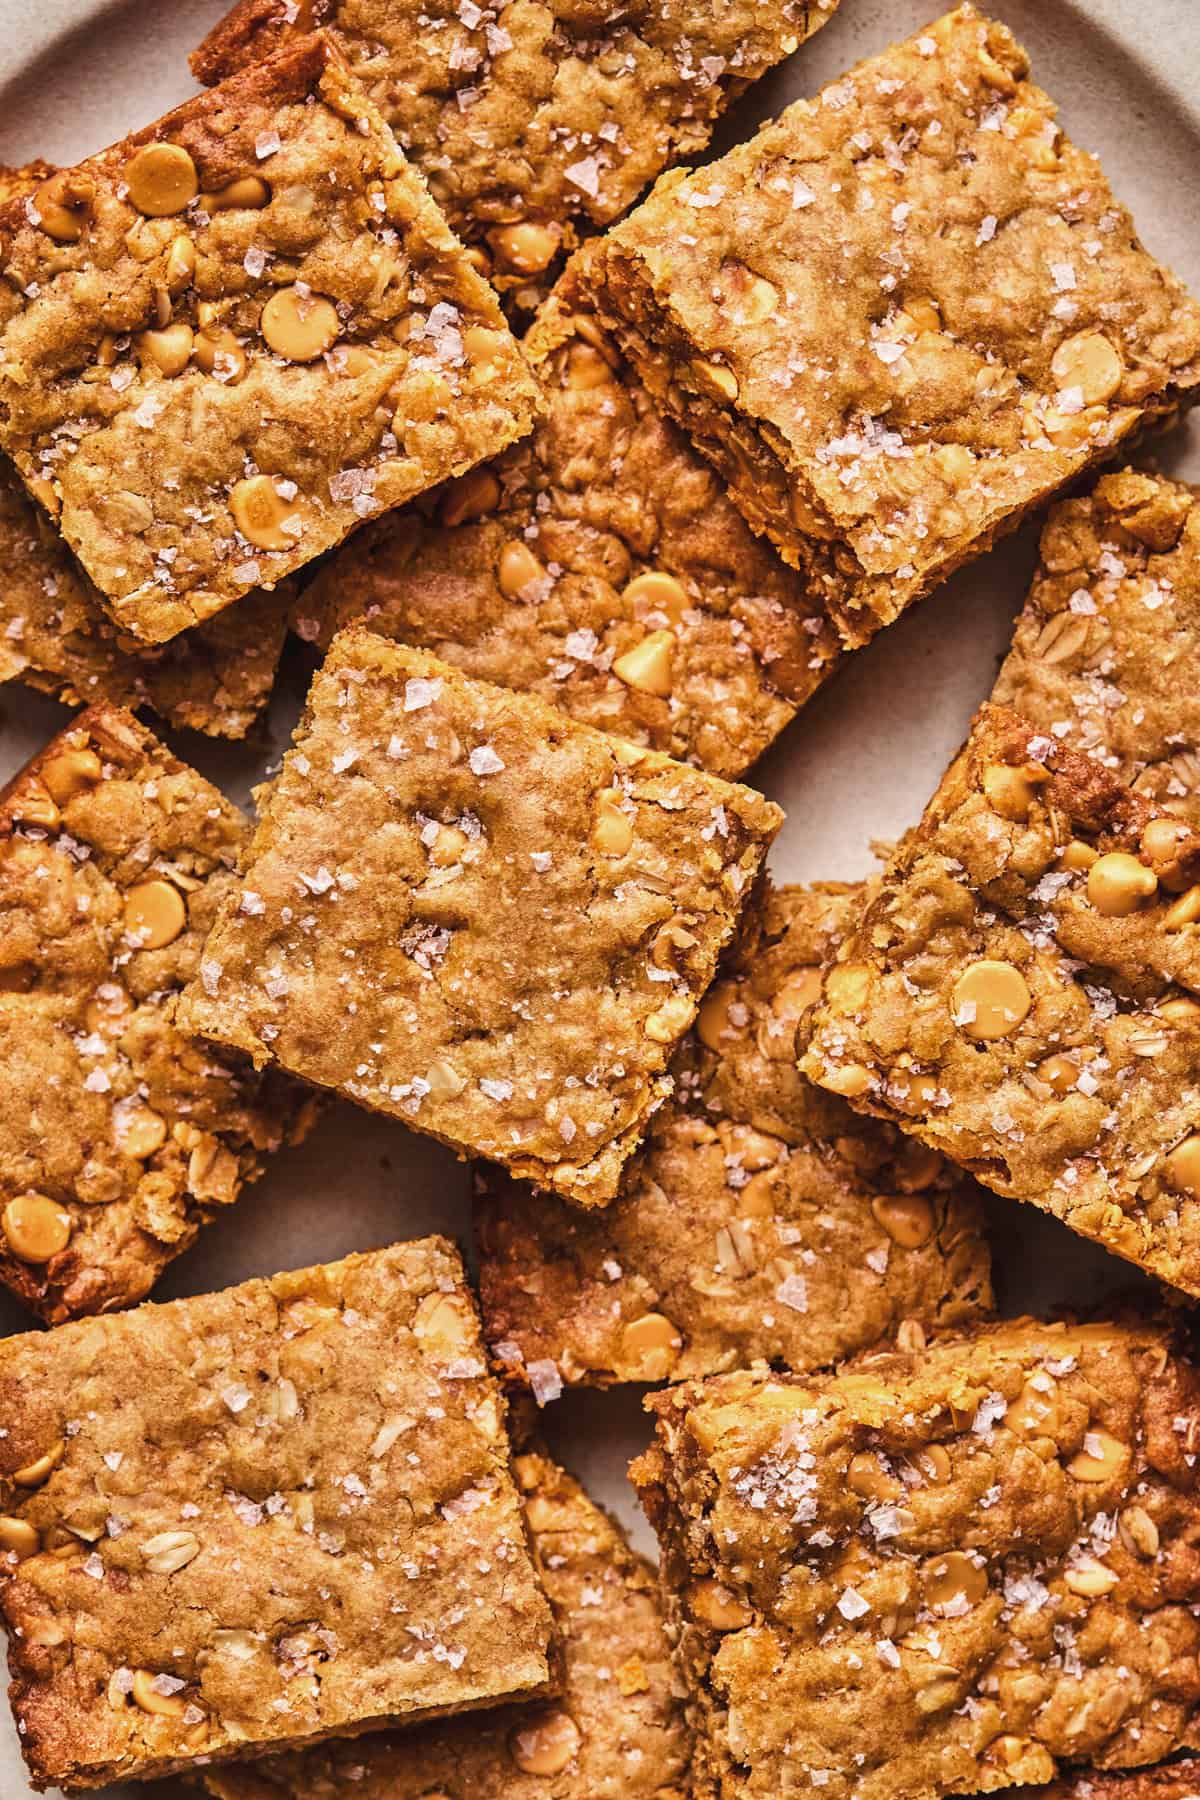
column 954, row 1570
column 1021, row 994
column 761, row 1220
column 227, row 340
column 120, row 1137
column 905, row 313
column 1106, row 653
column 258, row 1519
column 616, row 1729
column 463, row 909
column 534, row 124
column 598, row 563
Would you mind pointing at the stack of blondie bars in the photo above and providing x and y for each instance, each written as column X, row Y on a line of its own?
column 571, row 503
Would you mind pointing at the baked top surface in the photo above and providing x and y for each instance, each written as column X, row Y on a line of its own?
column 253, row 311
column 120, row 1138
column 287, row 1511
column 616, row 1728
column 464, row 909
column 762, row 1220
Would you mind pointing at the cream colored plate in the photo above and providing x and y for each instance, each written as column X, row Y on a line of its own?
column 856, row 767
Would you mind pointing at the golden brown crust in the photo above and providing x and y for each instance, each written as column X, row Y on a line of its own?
column 1178, row 1780
column 259, row 1518
column 308, row 281
column 761, row 1220
column 469, row 912
column 904, row 314
column 957, row 1570
column 614, row 1733
column 121, row 1137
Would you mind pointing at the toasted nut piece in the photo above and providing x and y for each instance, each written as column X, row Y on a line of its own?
column 850, row 1080
column 18, row 1538
column 35, row 1229
column 1100, row 1459
column 147, row 1696
column 719, row 376
column 33, row 1474
column 169, row 350
column 755, row 298
column 651, row 1345
column 1060, row 1073
column 70, row 772
column 713, row 1023
column 168, row 1551
column 262, row 515
column 220, row 355
column 1078, row 855
column 139, row 1131
column 867, row 1477
column 447, row 847
column 1011, row 791
column 1118, row 883
column 1091, row 1579
column 469, row 497
column 546, row 1747
column 952, row 1578
column 674, row 1016
column 1185, row 911
column 32, row 805
column 717, row 1606
column 1139, row 1533
column 1088, row 362
column 249, row 191
column 587, row 368
column 672, row 942
column 1182, row 1010
column 1034, row 1412
column 526, row 249
column 647, row 666
column 1162, row 841
column 990, row 999
column 907, row 1218
column 161, row 179
column 612, row 833
column 299, row 326
column 180, row 265
column 63, row 206
column 517, row 569
column 444, row 1325
column 933, row 1463
column 848, row 986
column 656, row 591
column 1183, row 1167
column 155, row 914
column 445, row 1082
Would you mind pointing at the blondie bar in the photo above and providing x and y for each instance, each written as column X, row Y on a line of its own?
column 901, row 316
column 535, row 124
column 120, row 1138
column 1179, row 1780
column 598, row 563
column 937, row 1572
column 762, row 1219
column 1106, row 654
column 259, row 1519
column 616, row 1730
column 1015, row 997
column 464, row 909
column 56, row 636
column 229, row 339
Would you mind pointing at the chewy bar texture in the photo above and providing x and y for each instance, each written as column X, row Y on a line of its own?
column 598, row 563
column 463, row 909
column 1021, row 994
column 1106, row 654
column 56, row 636
column 232, row 337
column 615, row 1732
column 933, row 1573
column 762, row 1220
column 121, row 1137
column 901, row 316
column 534, row 125
column 258, row 1519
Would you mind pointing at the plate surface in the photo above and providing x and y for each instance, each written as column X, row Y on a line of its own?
column 855, row 768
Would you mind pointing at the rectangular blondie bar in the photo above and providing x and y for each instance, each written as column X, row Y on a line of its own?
column 1021, row 994
column 227, row 340
column 534, row 125
column 1106, row 653
column 901, row 316
column 615, row 1729
column 762, row 1219
column 464, row 909
column 259, row 1519
column 119, row 1136
column 948, row 1571
column 598, row 563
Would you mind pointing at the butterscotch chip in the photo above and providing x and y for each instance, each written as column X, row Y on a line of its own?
column 276, row 222
column 203, row 1614
column 616, row 1726
column 927, row 361
column 1026, row 996
column 561, row 1036
column 122, row 1137
column 762, row 1219
column 644, row 604
column 983, row 1620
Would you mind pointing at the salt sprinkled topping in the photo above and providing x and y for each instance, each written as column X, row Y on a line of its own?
column 793, row 1292
column 484, row 761
column 852, row 1605
column 266, row 144
column 236, row 1397
column 544, row 1380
